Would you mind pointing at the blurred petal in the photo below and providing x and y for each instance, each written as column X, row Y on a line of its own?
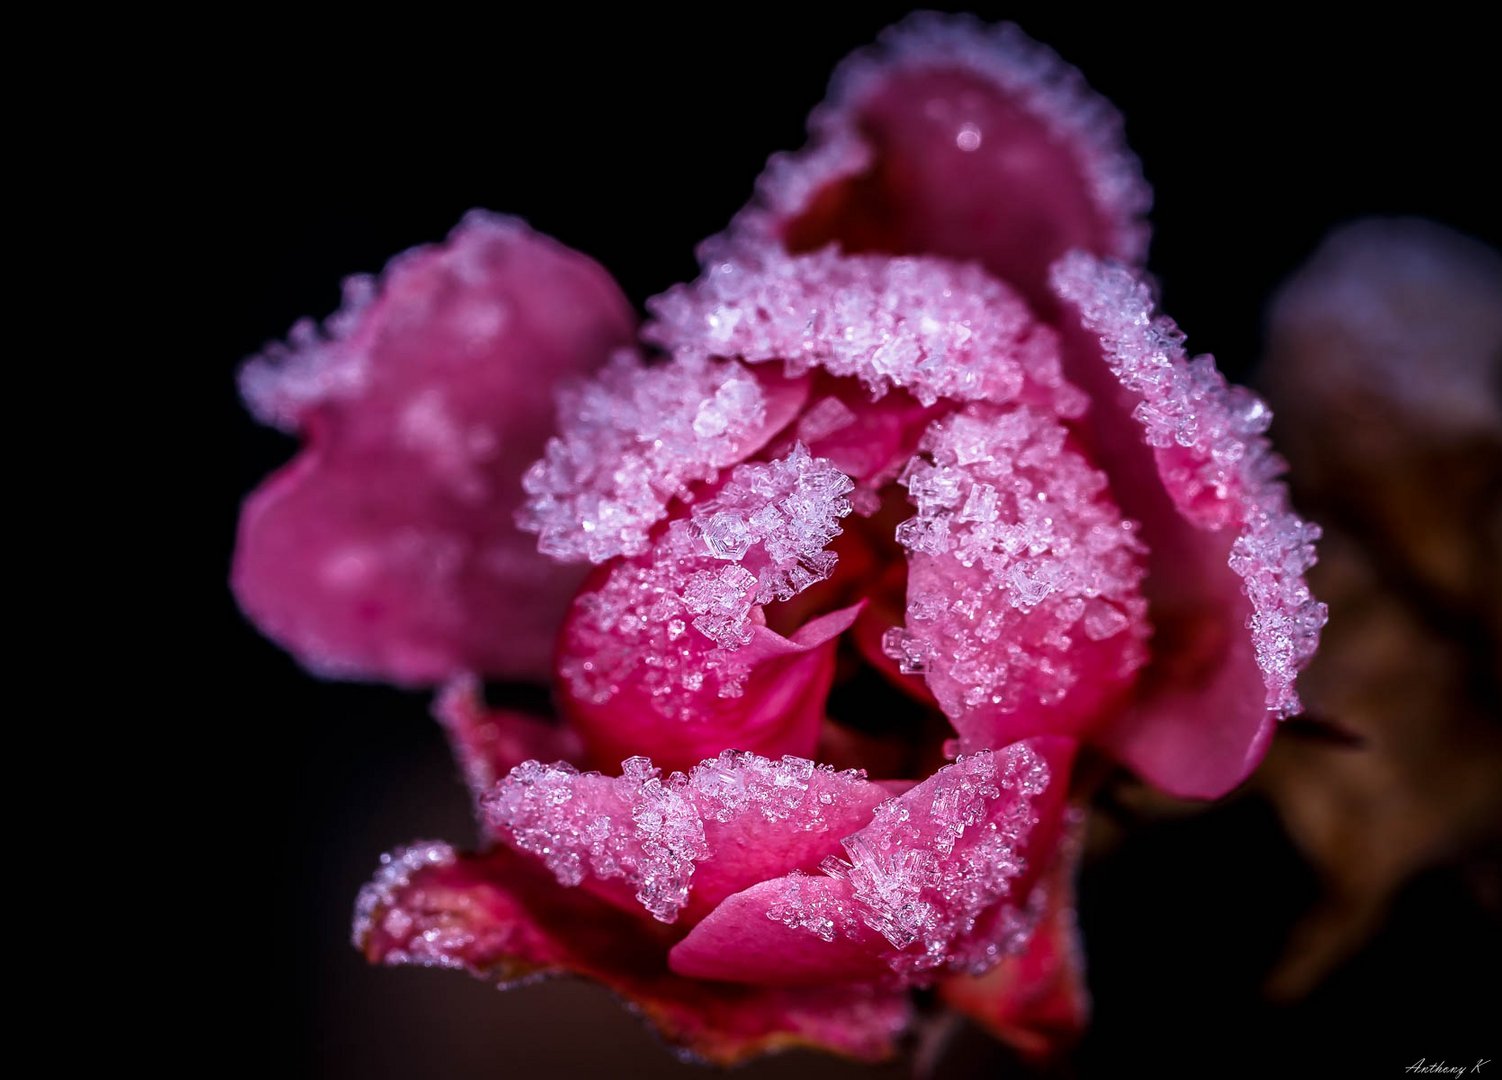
column 935, row 882
column 386, row 549
column 488, row 743
column 1187, row 460
column 501, row 919
column 952, row 138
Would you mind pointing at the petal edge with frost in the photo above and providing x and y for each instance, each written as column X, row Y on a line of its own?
column 386, row 549
column 1233, row 619
column 500, row 919
column 949, row 137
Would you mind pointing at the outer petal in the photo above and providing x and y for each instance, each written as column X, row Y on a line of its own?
column 386, row 549
column 499, row 918
column 678, row 846
column 952, row 138
column 936, row 881
column 1233, row 619
column 1036, row 1000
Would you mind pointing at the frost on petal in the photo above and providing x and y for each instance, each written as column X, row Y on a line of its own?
column 669, row 653
column 386, row 548
column 935, row 883
column 501, row 919
column 638, row 436
column 949, row 137
column 934, row 328
column 1187, row 459
column 1024, row 606
column 488, row 743
column 685, row 841
column 1036, row 999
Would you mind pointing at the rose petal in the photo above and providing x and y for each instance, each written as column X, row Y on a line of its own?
column 636, row 437
column 488, row 743
column 669, row 654
column 1024, row 610
column 1035, row 1000
column 501, row 919
column 386, row 549
column 952, row 138
column 935, row 882
column 928, row 326
column 1187, row 460
column 679, row 845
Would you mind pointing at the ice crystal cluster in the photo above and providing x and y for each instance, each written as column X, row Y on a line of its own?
column 936, row 329
column 761, row 538
column 650, row 831
column 931, row 869
column 1016, row 549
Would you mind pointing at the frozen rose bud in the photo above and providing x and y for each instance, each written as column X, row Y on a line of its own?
column 386, row 549
column 917, row 421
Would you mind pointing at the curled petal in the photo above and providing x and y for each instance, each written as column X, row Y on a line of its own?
column 928, row 326
column 952, row 138
column 1233, row 618
column 499, row 918
column 937, row 881
column 670, row 654
column 386, row 548
column 681, row 844
column 1024, row 610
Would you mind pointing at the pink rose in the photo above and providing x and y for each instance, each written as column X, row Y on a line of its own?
column 916, row 421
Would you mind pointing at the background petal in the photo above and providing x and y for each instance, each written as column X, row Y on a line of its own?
column 386, row 549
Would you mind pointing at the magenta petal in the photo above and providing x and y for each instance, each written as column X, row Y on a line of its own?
column 937, row 881
column 501, row 919
column 386, row 549
column 777, row 709
column 1232, row 616
column 488, row 743
column 684, row 842
column 1024, row 610
column 952, row 138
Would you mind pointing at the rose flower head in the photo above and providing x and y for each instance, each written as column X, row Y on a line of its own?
column 916, row 426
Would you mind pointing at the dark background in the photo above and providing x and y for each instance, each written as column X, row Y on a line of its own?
column 631, row 137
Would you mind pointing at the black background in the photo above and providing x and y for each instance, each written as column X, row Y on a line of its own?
column 631, row 137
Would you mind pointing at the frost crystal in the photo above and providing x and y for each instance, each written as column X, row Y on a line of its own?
column 649, row 831
column 934, row 328
column 674, row 620
column 633, row 438
column 1016, row 555
column 933, row 870
column 1215, row 462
